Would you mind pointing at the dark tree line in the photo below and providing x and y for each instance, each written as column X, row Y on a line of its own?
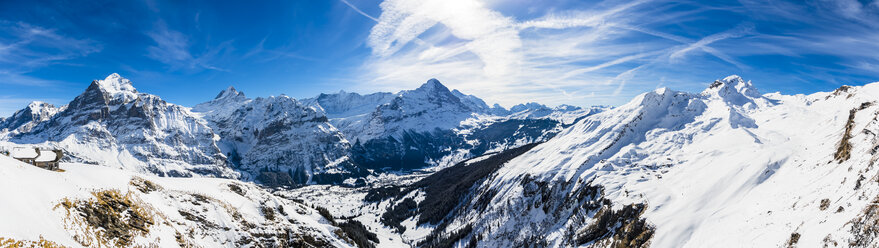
column 444, row 190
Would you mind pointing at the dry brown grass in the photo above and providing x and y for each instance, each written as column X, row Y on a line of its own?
column 42, row 243
column 110, row 218
column 843, row 149
column 865, row 228
column 144, row 185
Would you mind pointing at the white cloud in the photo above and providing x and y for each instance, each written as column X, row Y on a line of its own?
column 600, row 54
column 476, row 49
column 490, row 35
column 172, row 48
column 25, row 48
column 703, row 44
column 358, row 10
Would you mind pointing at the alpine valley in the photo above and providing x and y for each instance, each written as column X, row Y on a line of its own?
column 434, row 167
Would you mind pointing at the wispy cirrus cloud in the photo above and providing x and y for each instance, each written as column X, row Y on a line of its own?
column 173, row 49
column 25, row 48
column 477, row 49
column 359, row 11
column 595, row 53
column 704, row 44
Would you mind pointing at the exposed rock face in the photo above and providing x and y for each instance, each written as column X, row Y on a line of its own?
column 112, row 124
column 278, row 140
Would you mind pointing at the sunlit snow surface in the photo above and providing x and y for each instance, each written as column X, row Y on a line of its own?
column 31, row 198
column 723, row 168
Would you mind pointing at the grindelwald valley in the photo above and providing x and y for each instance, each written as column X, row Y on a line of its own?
column 439, row 123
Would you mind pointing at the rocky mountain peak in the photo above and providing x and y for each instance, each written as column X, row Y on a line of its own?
column 432, row 92
column 115, row 84
column 30, row 116
column 226, row 101
column 433, row 85
column 39, row 105
column 432, row 89
column 527, row 106
column 566, row 107
column 230, row 92
column 733, row 90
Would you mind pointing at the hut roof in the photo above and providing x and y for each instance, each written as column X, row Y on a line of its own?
column 47, row 156
column 24, row 152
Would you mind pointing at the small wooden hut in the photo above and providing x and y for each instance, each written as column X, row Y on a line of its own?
column 43, row 158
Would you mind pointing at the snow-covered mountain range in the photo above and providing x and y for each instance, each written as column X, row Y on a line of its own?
column 724, row 167
column 432, row 126
column 277, row 141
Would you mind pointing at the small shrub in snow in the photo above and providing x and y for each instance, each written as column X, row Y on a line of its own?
column 825, row 203
column 794, row 238
column 144, row 185
column 268, row 212
column 237, row 189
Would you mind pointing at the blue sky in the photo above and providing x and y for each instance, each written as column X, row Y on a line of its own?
column 554, row 51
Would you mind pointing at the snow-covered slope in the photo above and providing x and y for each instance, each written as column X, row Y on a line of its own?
column 727, row 167
column 114, row 125
column 98, row 206
column 278, row 140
